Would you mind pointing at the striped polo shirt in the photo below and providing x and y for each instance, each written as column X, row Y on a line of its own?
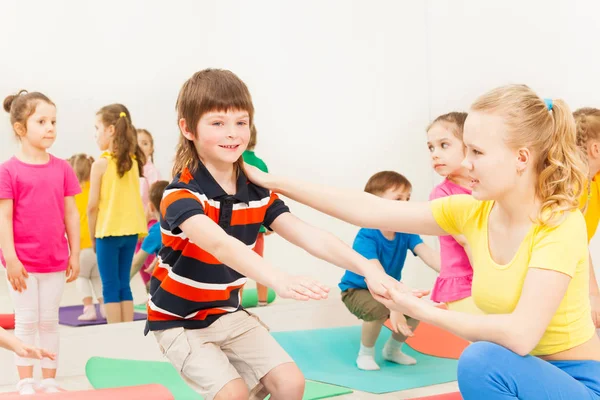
column 190, row 288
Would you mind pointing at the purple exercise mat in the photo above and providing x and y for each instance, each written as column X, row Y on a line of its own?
column 68, row 316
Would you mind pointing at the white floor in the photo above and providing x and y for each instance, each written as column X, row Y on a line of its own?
column 127, row 340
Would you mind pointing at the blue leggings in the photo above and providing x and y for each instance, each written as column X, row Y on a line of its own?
column 492, row 372
column 115, row 255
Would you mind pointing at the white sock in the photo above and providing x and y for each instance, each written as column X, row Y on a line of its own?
column 26, row 386
column 49, row 385
column 392, row 351
column 366, row 359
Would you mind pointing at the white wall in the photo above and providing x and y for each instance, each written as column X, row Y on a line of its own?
column 549, row 45
column 342, row 89
column 338, row 86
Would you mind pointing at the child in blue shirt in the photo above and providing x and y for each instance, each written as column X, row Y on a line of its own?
column 387, row 250
column 152, row 242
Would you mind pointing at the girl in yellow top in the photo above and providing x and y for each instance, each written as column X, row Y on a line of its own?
column 88, row 282
column 528, row 243
column 588, row 139
column 115, row 211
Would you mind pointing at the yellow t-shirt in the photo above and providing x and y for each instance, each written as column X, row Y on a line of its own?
column 81, row 201
column 120, row 210
column 591, row 207
column 497, row 288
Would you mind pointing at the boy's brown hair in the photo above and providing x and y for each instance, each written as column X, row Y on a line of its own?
column 156, row 193
column 207, row 91
column 386, row 180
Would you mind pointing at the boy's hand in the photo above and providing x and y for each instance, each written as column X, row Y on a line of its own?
column 399, row 324
column 300, row 288
column 27, row 351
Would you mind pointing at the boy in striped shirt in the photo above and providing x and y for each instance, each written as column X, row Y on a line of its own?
column 210, row 219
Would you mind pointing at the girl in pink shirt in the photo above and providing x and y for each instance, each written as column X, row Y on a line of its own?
column 39, row 231
column 444, row 139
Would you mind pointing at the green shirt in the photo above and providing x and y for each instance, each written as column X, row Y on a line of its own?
column 250, row 158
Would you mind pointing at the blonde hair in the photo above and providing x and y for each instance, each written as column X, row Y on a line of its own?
column 206, row 91
column 550, row 135
column 455, row 121
column 82, row 165
column 587, row 120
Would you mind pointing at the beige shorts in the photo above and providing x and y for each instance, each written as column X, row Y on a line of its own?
column 237, row 345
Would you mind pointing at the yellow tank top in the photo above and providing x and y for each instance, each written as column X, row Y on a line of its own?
column 81, row 201
column 120, row 210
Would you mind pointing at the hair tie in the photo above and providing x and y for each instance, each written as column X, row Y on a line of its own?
column 549, row 104
column 122, row 115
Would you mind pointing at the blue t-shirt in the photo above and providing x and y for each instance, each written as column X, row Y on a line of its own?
column 372, row 245
column 152, row 242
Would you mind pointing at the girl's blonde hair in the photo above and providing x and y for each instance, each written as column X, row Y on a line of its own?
column 82, row 165
column 125, row 138
column 454, row 120
column 549, row 132
column 145, row 132
column 206, row 91
column 587, row 120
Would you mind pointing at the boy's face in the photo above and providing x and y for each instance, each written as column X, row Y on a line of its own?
column 221, row 136
column 401, row 193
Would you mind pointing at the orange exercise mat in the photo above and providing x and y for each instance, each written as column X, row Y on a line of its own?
column 144, row 392
column 7, row 321
column 445, row 396
column 433, row 341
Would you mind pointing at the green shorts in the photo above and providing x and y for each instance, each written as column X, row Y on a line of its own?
column 361, row 303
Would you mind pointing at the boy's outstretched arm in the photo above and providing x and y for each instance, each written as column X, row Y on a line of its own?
column 210, row 237
column 328, row 247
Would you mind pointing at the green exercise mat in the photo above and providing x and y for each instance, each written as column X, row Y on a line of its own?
column 250, row 297
column 329, row 355
column 140, row 308
column 111, row 372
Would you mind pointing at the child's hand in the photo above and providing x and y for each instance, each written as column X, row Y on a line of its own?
column 300, row 288
column 151, row 267
column 595, row 303
column 73, row 268
column 399, row 324
column 27, row 351
column 377, row 281
column 16, row 274
column 402, row 299
column 257, row 176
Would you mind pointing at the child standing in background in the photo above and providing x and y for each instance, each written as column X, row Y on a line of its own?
column 151, row 243
column 88, row 282
column 39, row 231
column 444, row 139
column 587, row 121
column 386, row 250
column 250, row 158
column 115, row 209
column 145, row 142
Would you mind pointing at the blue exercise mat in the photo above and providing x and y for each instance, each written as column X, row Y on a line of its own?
column 329, row 356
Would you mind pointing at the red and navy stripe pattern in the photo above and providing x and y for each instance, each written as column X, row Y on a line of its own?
column 190, row 288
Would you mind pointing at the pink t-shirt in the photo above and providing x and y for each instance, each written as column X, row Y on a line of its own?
column 151, row 175
column 38, row 193
column 456, row 274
